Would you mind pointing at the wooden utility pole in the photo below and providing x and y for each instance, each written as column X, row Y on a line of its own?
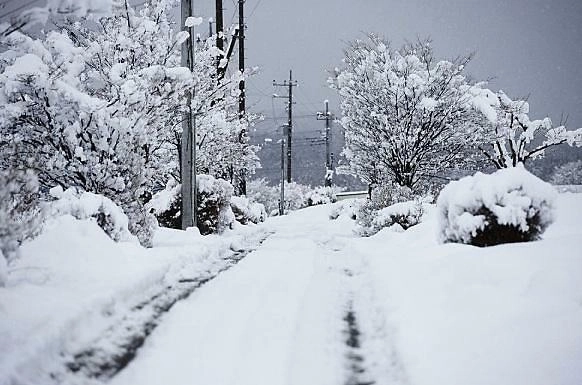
column 241, row 57
column 290, row 103
column 327, row 116
column 188, row 150
column 282, row 198
column 242, row 96
column 219, row 30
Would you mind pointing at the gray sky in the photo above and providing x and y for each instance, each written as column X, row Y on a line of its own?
column 532, row 48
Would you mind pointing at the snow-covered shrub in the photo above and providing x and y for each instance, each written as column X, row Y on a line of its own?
column 322, row 195
column 510, row 205
column 568, row 174
column 85, row 205
column 259, row 191
column 390, row 204
column 19, row 209
column 399, row 216
column 214, row 212
column 166, row 206
column 347, row 208
column 245, row 211
column 296, row 195
column 390, row 193
column 141, row 223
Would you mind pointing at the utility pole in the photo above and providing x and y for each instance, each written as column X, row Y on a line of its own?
column 188, row 149
column 327, row 116
column 242, row 96
column 219, row 30
column 292, row 83
column 282, row 198
column 241, row 56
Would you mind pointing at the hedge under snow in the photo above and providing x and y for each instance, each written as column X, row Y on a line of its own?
column 510, row 205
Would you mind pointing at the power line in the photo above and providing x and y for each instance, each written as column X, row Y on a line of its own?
column 255, row 8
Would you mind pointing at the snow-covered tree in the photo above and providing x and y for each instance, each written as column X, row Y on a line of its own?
column 89, row 106
column 40, row 15
column 512, row 135
column 99, row 106
column 406, row 115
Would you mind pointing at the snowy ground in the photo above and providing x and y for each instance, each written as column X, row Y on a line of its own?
column 74, row 291
column 315, row 305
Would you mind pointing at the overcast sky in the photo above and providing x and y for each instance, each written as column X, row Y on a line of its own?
column 531, row 48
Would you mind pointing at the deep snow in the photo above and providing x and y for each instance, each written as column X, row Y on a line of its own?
column 313, row 305
column 73, row 283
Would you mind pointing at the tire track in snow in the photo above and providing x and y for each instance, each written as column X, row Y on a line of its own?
column 371, row 357
column 119, row 344
column 356, row 362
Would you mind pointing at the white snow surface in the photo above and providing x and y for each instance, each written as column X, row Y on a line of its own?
column 71, row 282
column 427, row 313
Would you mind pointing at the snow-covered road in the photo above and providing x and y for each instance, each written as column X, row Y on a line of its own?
column 314, row 304
column 317, row 305
column 296, row 311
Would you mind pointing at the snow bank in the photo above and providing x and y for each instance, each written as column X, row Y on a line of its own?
column 510, row 205
column 73, row 282
column 504, row 315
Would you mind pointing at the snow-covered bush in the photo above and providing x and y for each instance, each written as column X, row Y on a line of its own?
column 217, row 208
column 322, row 195
column 86, row 205
column 214, row 212
column 390, row 204
column 166, row 206
column 19, row 210
column 245, row 211
column 568, row 174
column 349, row 208
column 297, row 195
column 399, row 216
column 387, row 194
column 510, row 205
column 258, row 190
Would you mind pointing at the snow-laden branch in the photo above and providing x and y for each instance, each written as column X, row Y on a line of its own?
column 512, row 135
